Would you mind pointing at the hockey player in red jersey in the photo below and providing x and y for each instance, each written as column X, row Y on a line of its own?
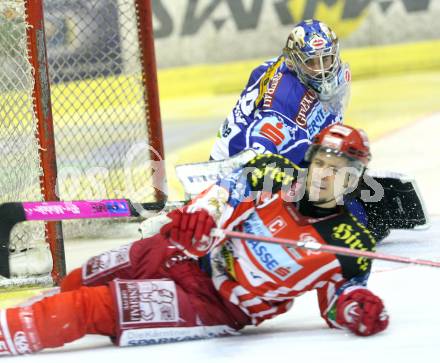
column 186, row 283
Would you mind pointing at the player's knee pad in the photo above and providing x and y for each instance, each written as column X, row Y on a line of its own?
column 140, row 258
column 157, row 311
column 99, row 268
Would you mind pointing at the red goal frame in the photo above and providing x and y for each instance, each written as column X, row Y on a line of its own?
column 37, row 53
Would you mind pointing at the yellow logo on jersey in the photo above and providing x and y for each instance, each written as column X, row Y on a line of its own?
column 274, row 173
column 266, row 79
column 229, row 261
column 347, row 233
column 277, row 168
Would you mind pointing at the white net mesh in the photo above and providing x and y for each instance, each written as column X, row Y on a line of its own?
column 98, row 102
column 99, row 108
column 97, row 97
column 19, row 159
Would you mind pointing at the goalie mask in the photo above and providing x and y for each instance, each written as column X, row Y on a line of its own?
column 312, row 52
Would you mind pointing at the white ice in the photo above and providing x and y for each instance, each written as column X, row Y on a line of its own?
column 411, row 294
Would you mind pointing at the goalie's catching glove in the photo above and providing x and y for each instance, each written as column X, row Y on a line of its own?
column 361, row 311
column 189, row 230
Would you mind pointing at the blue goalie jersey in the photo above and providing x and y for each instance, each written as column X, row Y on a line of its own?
column 276, row 113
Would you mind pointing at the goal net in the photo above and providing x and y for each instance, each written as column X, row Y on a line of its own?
column 79, row 109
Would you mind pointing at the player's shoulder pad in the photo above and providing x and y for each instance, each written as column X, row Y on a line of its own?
column 271, row 171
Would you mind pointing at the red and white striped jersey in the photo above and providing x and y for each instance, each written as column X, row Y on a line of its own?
column 262, row 278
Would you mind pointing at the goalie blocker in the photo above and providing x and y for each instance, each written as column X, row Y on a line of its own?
column 400, row 207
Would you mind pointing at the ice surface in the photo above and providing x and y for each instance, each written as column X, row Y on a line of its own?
column 411, row 294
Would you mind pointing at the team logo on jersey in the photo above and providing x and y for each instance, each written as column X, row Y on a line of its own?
column 228, row 259
column 144, row 302
column 319, row 118
column 275, row 259
column 105, row 263
column 270, row 91
column 307, row 101
column 276, row 225
column 347, row 233
column 273, row 132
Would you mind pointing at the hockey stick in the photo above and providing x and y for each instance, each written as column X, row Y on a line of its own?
column 17, row 212
column 194, row 177
column 316, row 246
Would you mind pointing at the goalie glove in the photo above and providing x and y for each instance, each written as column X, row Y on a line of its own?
column 359, row 310
column 189, row 230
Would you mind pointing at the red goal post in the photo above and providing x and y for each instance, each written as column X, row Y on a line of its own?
column 80, row 107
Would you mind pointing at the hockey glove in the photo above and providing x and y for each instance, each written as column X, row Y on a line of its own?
column 361, row 311
column 189, row 230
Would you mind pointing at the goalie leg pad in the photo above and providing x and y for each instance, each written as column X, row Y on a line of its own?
column 34, row 261
column 160, row 311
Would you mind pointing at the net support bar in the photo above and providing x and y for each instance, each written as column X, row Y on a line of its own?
column 45, row 130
